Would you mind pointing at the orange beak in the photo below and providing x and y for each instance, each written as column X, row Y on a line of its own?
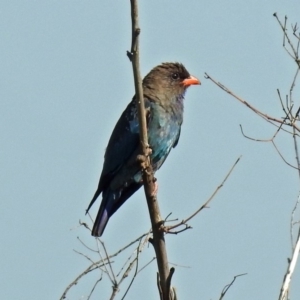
column 190, row 81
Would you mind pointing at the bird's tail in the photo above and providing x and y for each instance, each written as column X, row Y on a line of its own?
column 111, row 202
column 100, row 222
column 104, row 213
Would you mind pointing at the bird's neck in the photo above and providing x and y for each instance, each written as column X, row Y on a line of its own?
column 174, row 107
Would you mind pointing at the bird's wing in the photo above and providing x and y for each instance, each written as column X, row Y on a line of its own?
column 122, row 149
column 177, row 138
column 123, row 142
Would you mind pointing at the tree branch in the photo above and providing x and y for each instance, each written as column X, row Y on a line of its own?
column 148, row 177
column 291, row 268
column 266, row 117
column 228, row 286
column 184, row 222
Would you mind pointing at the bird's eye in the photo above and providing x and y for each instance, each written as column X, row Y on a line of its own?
column 175, row 76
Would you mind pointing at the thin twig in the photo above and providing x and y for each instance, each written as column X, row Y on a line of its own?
column 286, row 35
column 130, row 244
column 136, row 269
column 146, row 265
column 254, row 139
column 108, row 259
column 139, row 248
column 113, row 280
column 180, row 266
column 282, row 156
column 296, row 154
column 280, row 99
column 294, row 83
column 292, row 220
column 86, row 246
column 98, row 264
column 92, row 290
column 75, row 281
column 228, row 286
column 89, row 259
column 266, row 117
column 168, row 228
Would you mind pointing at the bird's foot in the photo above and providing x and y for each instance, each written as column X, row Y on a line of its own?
column 148, row 150
column 142, row 159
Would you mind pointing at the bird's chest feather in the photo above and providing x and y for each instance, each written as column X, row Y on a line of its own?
column 163, row 127
column 163, row 132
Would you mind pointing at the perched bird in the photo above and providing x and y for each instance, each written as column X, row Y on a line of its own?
column 163, row 88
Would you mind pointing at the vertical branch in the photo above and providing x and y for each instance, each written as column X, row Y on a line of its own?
column 148, row 177
column 284, row 291
column 294, row 53
column 134, row 57
column 296, row 151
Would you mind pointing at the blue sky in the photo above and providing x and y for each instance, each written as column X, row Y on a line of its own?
column 65, row 79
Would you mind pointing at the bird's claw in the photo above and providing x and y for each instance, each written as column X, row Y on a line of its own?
column 148, row 150
column 142, row 159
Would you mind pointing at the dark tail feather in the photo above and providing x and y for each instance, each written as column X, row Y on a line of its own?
column 111, row 202
column 98, row 192
column 100, row 222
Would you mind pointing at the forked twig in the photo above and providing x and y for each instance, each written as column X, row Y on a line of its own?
column 136, row 270
column 290, row 120
column 228, row 286
column 184, row 222
column 266, row 117
column 98, row 264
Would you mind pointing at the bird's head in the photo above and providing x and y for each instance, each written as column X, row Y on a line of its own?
column 168, row 81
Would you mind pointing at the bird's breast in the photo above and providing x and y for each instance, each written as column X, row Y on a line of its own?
column 163, row 131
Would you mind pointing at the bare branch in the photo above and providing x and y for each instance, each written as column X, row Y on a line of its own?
column 130, row 244
column 114, row 292
column 183, row 222
column 148, row 177
column 293, row 84
column 100, row 263
column 136, row 269
column 283, row 27
column 227, row 287
column 86, row 246
column 291, row 268
column 138, row 249
column 84, row 255
column 111, row 276
column 296, row 153
column 266, row 117
column 92, row 290
column 75, row 281
column 181, row 266
column 168, row 283
column 290, row 120
column 146, row 265
column 253, row 139
column 292, row 223
column 282, row 156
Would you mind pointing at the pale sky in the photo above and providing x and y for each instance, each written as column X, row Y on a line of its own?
column 65, row 79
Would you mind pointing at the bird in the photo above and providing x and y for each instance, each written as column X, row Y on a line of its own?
column 164, row 89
